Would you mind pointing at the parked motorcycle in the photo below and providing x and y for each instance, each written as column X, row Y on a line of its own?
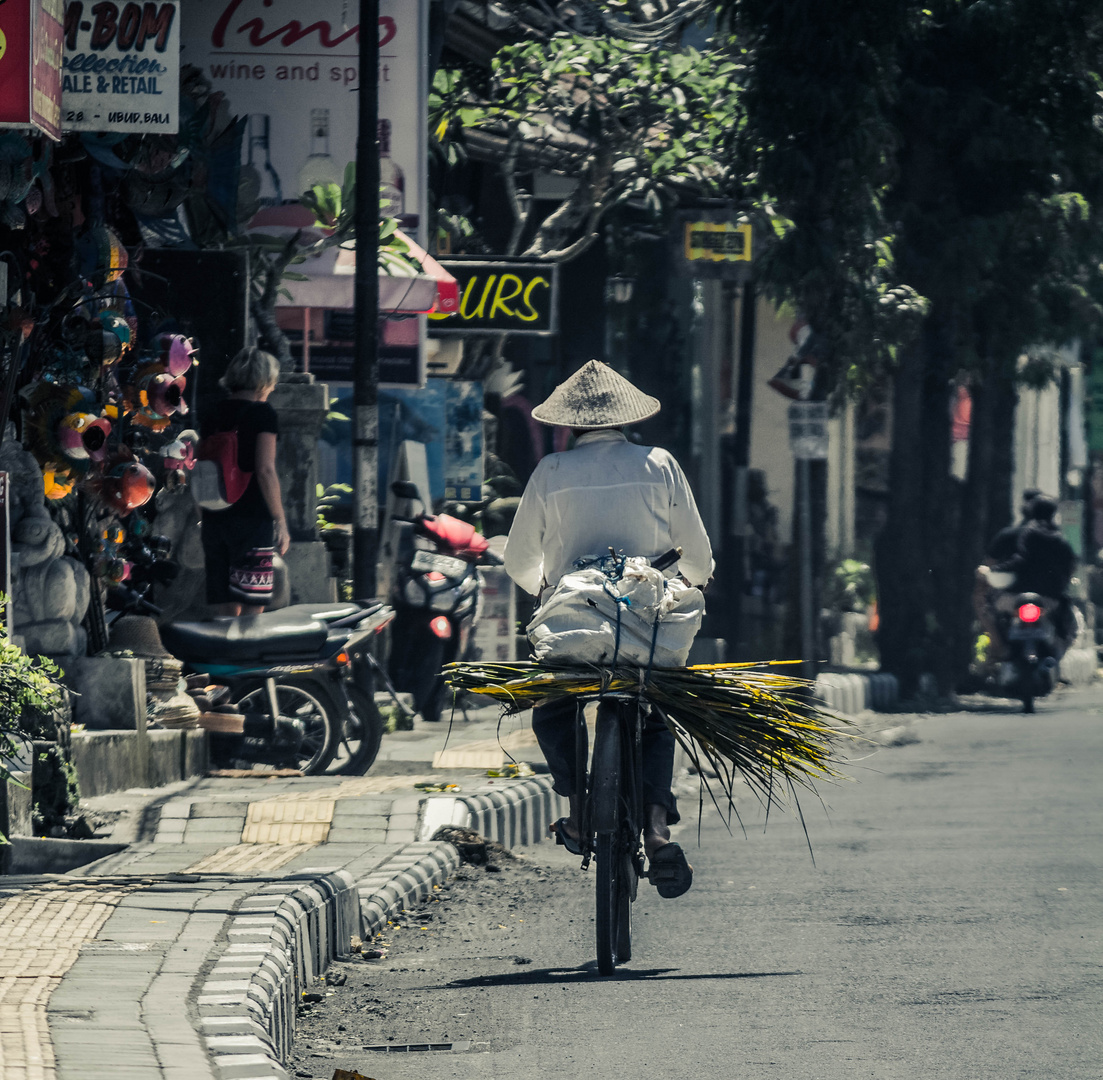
column 1034, row 650
column 435, row 597
column 299, row 677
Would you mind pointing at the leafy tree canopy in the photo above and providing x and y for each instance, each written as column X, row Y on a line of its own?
column 625, row 120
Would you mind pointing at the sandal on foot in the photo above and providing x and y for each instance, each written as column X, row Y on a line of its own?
column 669, row 871
column 561, row 837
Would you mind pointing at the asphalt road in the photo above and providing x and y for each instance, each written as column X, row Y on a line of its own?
column 950, row 928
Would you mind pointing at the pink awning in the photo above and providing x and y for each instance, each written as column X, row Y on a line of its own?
column 403, row 290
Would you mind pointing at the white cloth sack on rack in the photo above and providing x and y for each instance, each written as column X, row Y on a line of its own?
column 578, row 619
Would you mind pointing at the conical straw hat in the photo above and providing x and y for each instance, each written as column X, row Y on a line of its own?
column 595, row 396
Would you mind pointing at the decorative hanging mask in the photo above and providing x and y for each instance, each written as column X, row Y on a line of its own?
column 83, row 436
column 128, row 486
column 177, row 353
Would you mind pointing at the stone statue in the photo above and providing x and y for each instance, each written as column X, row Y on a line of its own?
column 50, row 591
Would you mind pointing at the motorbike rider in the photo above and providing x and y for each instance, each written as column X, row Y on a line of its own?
column 606, row 493
column 1001, row 548
column 1005, row 543
column 1043, row 563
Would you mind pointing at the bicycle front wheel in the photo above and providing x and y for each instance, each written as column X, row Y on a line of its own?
column 613, row 921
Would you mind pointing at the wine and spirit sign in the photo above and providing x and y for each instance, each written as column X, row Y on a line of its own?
column 292, row 67
column 121, row 70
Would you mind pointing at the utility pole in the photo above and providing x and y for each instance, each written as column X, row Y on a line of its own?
column 365, row 439
column 744, row 399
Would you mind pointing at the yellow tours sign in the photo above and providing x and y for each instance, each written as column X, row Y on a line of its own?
column 515, row 296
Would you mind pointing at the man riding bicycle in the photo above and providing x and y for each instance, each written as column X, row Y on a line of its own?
column 606, row 493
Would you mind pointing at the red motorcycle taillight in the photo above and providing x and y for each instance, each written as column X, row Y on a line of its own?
column 1029, row 612
column 441, row 627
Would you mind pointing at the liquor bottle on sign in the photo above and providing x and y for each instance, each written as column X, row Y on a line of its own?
column 392, row 184
column 258, row 165
column 319, row 168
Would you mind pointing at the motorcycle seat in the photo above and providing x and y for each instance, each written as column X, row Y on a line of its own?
column 325, row 612
column 270, row 636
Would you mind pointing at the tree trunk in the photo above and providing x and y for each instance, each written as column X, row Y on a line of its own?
column 986, row 506
column 915, row 551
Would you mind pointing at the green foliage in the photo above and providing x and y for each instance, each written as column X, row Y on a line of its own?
column 851, row 586
column 334, row 506
column 927, row 158
column 29, row 691
column 626, row 121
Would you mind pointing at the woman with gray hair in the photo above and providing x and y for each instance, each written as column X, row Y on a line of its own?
column 240, row 541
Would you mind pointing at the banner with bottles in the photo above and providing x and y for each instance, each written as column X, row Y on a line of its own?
column 292, row 67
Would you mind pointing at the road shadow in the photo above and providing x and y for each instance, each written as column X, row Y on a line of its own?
column 558, row 976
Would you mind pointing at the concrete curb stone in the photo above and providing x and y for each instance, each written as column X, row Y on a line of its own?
column 279, row 940
column 851, row 693
column 510, row 812
column 1079, row 666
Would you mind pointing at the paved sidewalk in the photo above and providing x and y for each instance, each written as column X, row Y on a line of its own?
column 185, row 955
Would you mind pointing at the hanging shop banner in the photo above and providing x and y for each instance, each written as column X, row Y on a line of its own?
column 463, row 440
column 121, row 70
column 446, row 416
column 30, row 65
column 711, row 244
column 292, row 67
column 515, row 296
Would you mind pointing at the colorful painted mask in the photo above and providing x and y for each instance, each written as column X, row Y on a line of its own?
column 128, row 486
column 177, row 353
column 83, row 436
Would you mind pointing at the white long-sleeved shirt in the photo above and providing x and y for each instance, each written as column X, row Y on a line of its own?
column 606, row 492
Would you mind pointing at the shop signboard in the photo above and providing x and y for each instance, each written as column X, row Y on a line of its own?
column 496, row 626
column 292, row 67
column 513, row 296
column 808, row 430
column 713, row 244
column 121, row 70
column 30, row 65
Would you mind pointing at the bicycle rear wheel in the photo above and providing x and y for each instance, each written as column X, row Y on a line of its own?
column 613, row 922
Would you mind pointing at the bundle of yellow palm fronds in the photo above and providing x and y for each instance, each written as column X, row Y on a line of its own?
column 754, row 721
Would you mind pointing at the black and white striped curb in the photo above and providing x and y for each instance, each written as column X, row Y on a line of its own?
column 404, row 880
column 511, row 812
column 852, row 693
column 280, row 939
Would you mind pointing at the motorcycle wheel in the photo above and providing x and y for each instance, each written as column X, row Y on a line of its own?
column 359, row 743
column 320, row 736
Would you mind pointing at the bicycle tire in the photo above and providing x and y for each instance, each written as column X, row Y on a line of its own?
column 365, row 713
column 613, row 920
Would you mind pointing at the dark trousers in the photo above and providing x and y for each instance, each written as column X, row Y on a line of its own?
column 553, row 725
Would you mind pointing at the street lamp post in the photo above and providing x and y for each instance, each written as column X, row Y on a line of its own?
column 365, row 440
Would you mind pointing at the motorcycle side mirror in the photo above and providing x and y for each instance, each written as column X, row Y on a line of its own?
column 405, row 489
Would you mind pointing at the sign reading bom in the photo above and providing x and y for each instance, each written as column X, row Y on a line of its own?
column 121, row 70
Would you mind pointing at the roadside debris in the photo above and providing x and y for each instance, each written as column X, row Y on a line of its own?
column 473, row 848
column 514, row 768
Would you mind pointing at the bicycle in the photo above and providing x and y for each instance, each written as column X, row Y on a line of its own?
column 612, row 818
